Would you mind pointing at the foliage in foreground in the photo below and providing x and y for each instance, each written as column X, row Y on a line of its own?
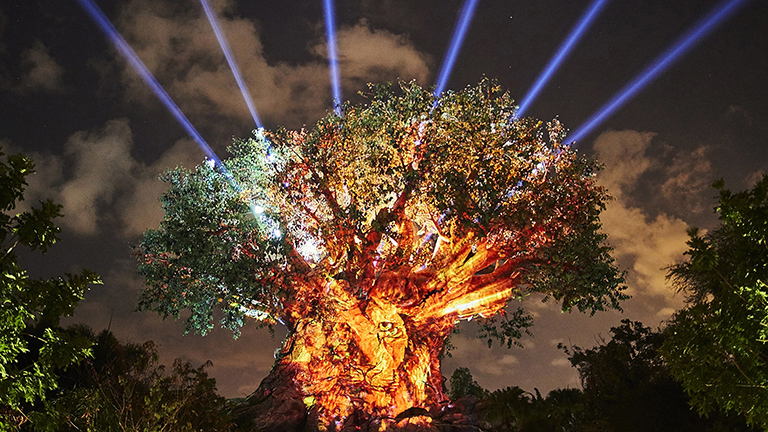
column 717, row 346
column 124, row 388
column 626, row 387
column 54, row 379
column 32, row 346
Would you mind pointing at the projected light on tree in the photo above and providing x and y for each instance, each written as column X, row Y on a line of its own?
column 384, row 245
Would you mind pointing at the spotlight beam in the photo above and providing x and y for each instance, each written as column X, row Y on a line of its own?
column 659, row 65
column 231, row 60
column 459, row 31
column 133, row 60
column 333, row 59
column 565, row 49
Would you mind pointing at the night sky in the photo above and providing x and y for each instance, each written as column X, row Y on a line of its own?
column 100, row 138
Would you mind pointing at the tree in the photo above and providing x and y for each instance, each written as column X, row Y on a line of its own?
column 32, row 346
column 463, row 384
column 627, row 386
column 371, row 235
column 716, row 346
column 124, row 388
column 565, row 410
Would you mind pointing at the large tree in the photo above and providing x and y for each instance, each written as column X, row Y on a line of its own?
column 369, row 236
column 717, row 346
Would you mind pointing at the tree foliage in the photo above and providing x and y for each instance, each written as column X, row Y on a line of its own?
column 406, row 184
column 32, row 346
column 122, row 387
column 370, row 236
column 717, row 345
column 627, row 386
column 463, row 384
column 513, row 409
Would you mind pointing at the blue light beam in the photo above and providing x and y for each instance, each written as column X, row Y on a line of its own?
column 680, row 47
column 122, row 46
column 333, row 58
column 562, row 53
column 465, row 17
column 231, row 60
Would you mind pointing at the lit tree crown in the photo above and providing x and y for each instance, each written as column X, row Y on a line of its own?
column 406, row 186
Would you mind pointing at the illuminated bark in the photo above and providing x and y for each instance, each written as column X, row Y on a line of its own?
column 373, row 358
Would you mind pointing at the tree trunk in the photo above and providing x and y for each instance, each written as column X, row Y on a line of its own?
column 362, row 365
column 371, row 360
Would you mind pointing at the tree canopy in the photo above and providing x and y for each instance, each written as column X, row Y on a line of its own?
column 717, row 346
column 420, row 187
column 370, row 236
column 32, row 346
column 627, row 385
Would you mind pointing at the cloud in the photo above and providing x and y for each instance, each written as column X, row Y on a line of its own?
column 179, row 47
column 645, row 245
column 665, row 313
column 102, row 166
column 40, row 70
column 140, row 208
column 40, row 185
column 98, row 181
column 623, row 154
column 508, row 359
column 86, row 180
column 484, row 362
column 736, row 112
column 687, row 178
column 370, row 55
column 755, row 177
column 646, row 240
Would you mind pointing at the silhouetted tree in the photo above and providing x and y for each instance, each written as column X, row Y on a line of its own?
column 717, row 346
column 565, row 410
column 628, row 387
column 124, row 388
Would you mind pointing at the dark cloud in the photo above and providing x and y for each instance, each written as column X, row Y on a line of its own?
column 736, row 112
column 99, row 182
column 182, row 51
column 41, row 72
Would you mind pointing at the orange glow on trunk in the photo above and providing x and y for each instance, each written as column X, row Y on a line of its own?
column 380, row 356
